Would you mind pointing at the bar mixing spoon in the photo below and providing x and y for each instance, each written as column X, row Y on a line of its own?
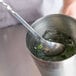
column 51, row 48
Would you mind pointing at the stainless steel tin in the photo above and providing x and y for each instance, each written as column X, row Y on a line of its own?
column 62, row 23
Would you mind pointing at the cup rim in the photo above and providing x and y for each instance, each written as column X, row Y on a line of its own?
column 48, row 61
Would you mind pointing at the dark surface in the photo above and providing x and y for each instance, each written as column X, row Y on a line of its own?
column 15, row 59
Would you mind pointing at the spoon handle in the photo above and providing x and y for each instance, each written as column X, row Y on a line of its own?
column 18, row 17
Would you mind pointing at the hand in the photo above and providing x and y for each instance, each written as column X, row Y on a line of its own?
column 69, row 8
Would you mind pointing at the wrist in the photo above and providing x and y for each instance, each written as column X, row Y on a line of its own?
column 68, row 2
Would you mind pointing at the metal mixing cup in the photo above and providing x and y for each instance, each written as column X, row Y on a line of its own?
column 63, row 23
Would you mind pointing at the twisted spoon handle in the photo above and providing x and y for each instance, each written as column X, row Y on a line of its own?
column 16, row 15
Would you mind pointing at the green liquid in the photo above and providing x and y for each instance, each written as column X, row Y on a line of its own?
column 66, row 40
